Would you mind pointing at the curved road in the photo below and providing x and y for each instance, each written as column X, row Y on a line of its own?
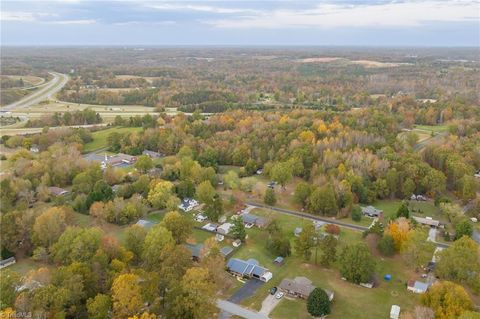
column 55, row 85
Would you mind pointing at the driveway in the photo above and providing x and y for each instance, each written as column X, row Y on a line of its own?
column 476, row 236
column 248, row 289
column 269, row 304
column 231, row 308
column 432, row 234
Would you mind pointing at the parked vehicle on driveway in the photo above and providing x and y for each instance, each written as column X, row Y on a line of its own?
column 273, row 290
column 279, row 295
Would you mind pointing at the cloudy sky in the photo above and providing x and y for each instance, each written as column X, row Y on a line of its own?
column 341, row 22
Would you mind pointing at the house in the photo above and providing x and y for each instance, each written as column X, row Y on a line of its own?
column 477, row 174
column 417, row 287
column 34, row 149
column 262, row 222
column 318, row 225
column 118, row 160
column 248, row 269
column 211, row 227
column 259, row 171
column 7, row 262
column 188, row 204
column 144, row 223
column 219, row 237
column 250, row 219
column 300, row 287
column 152, row 154
column 297, row 231
column 279, row 260
column 427, row 221
column 371, row 211
column 57, row 191
column 200, row 218
column 418, row 197
column 225, row 251
column 236, row 243
column 196, row 251
column 394, row 312
column 224, row 228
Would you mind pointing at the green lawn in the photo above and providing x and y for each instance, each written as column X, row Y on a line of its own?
column 24, row 265
column 350, row 301
column 434, row 128
column 100, row 137
column 421, row 209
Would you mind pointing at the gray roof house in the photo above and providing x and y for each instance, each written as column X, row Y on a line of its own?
column 371, row 211
column 297, row 231
column 225, row 251
column 196, row 250
column 417, row 287
column 300, row 287
column 57, row 191
column 152, row 154
column 255, row 220
column 248, row 269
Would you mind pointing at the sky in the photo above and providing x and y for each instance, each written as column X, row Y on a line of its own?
column 241, row 23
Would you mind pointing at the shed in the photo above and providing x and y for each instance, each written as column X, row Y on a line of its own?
column 195, row 250
column 297, row 231
column 394, row 312
column 225, row 251
column 57, row 191
column 279, row 260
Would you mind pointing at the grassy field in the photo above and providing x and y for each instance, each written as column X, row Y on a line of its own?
column 350, row 301
column 421, row 209
column 432, row 128
column 100, row 137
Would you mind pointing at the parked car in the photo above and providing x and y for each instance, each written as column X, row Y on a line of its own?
column 273, row 290
column 279, row 295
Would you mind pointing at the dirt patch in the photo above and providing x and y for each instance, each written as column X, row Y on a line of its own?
column 319, row 60
column 376, row 64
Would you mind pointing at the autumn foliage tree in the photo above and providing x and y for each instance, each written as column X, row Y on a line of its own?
column 447, row 299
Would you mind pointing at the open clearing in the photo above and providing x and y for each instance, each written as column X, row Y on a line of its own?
column 100, row 137
column 350, row 301
column 30, row 80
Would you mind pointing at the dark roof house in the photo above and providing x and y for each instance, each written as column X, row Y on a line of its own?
column 196, row 250
column 248, row 269
column 225, row 251
column 300, row 287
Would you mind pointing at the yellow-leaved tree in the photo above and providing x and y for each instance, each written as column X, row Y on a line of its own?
column 447, row 299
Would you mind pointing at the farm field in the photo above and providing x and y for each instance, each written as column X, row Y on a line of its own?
column 100, row 137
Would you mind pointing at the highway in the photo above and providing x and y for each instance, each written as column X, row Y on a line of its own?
column 46, row 92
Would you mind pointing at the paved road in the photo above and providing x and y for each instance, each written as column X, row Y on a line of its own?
column 303, row 215
column 237, row 310
column 53, row 86
column 327, row 220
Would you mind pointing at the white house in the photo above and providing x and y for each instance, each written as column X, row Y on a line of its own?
column 224, row 228
column 417, row 287
column 188, row 204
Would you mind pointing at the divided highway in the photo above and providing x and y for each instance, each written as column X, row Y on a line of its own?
column 52, row 87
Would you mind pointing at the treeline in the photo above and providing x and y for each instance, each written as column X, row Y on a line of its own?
column 83, row 117
column 147, row 97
